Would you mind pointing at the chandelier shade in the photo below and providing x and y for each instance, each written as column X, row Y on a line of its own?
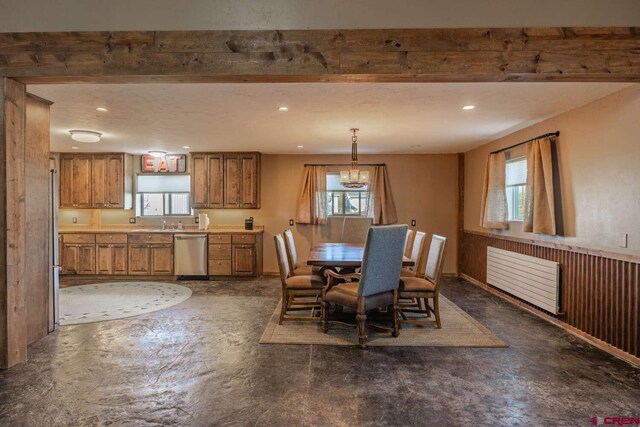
column 354, row 178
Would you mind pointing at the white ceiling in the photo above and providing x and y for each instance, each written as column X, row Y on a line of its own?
column 393, row 117
column 88, row 15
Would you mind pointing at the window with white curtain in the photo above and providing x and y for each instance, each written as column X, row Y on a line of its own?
column 516, row 182
column 343, row 201
column 163, row 195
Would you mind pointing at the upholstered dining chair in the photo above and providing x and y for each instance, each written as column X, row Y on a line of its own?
column 292, row 257
column 295, row 287
column 377, row 283
column 418, row 255
column 408, row 242
column 425, row 288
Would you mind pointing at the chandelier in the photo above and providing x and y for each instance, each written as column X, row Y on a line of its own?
column 354, row 178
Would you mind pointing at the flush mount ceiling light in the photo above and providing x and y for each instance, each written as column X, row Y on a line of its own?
column 87, row 136
column 283, row 109
column 102, row 109
column 354, row 178
column 468, row 107
column 185, row 146
column 300, row 146
column 157, row 153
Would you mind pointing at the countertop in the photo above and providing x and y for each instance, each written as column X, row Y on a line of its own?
column 129, row 230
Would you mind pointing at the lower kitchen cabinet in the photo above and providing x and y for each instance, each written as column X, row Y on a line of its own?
column 111, row 259
column 244, row 260
column 161, row 259
column 153, row 259
column 139, row 259
column 79, row 258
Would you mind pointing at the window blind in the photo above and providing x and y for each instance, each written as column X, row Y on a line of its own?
column 516, row 172
column 164, row 183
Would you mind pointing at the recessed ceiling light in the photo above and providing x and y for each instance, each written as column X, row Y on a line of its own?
column 75, row 148
column 87, row 136
column 102, row 109
column 283, row 109
column 185, row 146
column 300, row 146
column 157, row 153
column 468, row 107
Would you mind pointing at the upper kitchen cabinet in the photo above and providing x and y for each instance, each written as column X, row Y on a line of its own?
column 102, row 181
column 225, row 180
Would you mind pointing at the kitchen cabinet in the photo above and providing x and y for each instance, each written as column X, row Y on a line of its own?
column 150, row 254
column 225, row 180
column 78, row 254
column 75, row 181
column 100, row 181
column 244, row 260
column 111, row 254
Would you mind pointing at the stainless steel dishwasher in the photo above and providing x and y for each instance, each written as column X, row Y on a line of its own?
column 190, row 254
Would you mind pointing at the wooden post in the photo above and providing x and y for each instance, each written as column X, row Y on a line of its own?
column 460, row 228
column 13, row 310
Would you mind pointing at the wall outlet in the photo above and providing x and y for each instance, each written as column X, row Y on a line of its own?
column 75, row 220
column 132, row 220
column 413, row 222
column 197, row 220
column 291, row 223
column 623, row 240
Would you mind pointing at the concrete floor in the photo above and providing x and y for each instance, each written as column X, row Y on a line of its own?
column 199, row 363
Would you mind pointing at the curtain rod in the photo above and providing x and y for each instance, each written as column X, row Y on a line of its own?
column 557, row 133
column 344, row 164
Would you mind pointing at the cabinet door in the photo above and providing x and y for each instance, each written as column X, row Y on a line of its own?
column 119, row 259
column 87, row 261
column 244, row 260
column 161, row 259
column 231, row 181
column 98, row 181
column 66, row 181
column 139, row 259
column 82, row 181
column 104, row 259
column 199, row 181
column 216, row 181
column 114, row 181
column 70, row 258
column 249, row 181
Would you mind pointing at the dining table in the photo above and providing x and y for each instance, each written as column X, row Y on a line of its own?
column 342, row 255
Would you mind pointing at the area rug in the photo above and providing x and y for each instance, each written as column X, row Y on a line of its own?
column 118, row 300
column 458, row 330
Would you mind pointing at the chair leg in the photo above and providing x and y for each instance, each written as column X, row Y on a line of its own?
column 324, row 307
column 283, row 307
column 394, row 320
column 436, row 311
column 362, row 331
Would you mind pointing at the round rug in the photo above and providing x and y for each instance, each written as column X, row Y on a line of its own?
column 118, row 300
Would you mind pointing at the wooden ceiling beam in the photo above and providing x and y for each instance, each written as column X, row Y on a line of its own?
column 383, row 55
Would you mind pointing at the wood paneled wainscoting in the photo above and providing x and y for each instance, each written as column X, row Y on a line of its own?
column 600, row 291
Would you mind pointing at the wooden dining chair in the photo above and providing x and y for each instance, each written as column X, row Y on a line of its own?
column 292, row 257
column 377, row 283
column 425, row 288
column 296, row 287
column 418, row 255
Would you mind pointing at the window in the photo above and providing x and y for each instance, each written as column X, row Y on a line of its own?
column 516, row 187
column 163, row 195
column 343, row 201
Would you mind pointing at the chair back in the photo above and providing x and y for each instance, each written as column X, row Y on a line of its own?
column 281, row 252
column 382, row 259
column 418, row 249
column 292, row 255
column 408, row 242
column 436, row 258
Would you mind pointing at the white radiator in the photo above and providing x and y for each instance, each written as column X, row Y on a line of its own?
column 532, row 279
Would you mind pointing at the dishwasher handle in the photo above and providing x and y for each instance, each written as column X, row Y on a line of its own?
column 190, row 236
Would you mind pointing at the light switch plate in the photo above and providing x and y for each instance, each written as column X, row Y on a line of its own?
column 75, row 220
column 132, row 220
column 413, row 222
column 197, row 220
column 291, row 223
column 623, row 239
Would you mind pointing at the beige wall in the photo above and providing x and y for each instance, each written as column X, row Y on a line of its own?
column 424, row 188
column 599, row 163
